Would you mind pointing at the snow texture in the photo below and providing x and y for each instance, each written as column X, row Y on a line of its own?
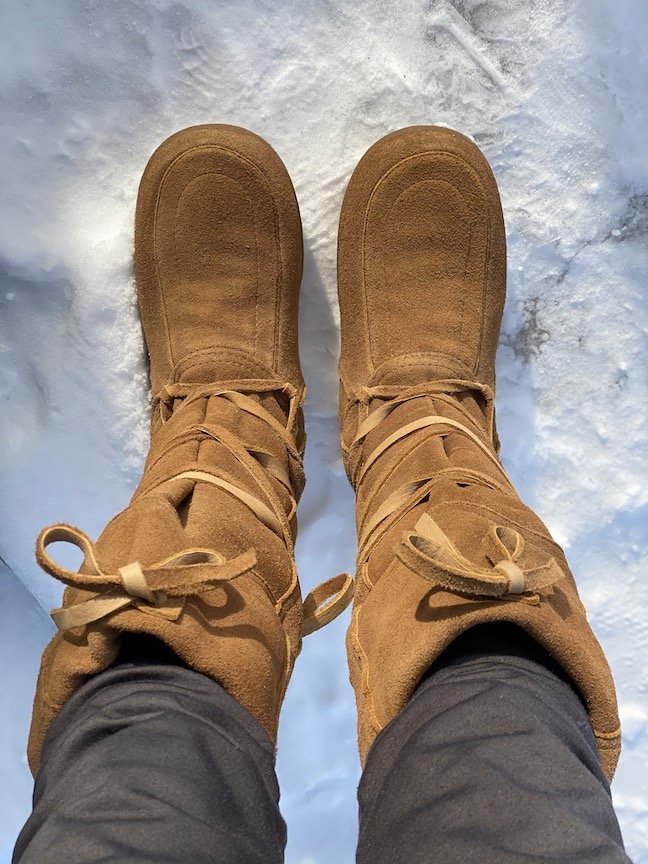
column 554, row 93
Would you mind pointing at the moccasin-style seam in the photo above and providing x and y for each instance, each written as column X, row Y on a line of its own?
column 381, row 180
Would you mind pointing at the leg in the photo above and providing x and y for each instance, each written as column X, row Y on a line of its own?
column 493, row 760
column 154, row 762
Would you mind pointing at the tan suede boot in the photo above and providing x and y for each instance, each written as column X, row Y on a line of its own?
column 445, row 543
column 202, row 558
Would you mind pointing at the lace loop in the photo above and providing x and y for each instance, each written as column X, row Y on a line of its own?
column 326, row 602
column 427, row 550
column 430, row 553
column 162, row 587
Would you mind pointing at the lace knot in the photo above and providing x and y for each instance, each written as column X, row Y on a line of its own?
column 164, row 587
column 161, row 588
column 430, row 553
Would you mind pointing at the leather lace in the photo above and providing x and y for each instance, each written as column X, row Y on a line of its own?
column 427, row 550
column 163, row 588
column 430, row 553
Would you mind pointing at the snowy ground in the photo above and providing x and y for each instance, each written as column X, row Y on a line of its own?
column 553, row 91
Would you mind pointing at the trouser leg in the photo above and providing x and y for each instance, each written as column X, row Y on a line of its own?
column 153, row 762
column 492, row 761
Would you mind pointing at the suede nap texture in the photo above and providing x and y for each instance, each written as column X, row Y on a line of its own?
column 218, row 259
column 421, row 282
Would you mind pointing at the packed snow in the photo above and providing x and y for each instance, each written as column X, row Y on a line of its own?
column 554, row 93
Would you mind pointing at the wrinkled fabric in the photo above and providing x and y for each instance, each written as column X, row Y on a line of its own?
column 493, row 760
column 154, row 763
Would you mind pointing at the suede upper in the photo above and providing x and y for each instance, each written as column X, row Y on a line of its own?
column 445, row 542
column 202, row 558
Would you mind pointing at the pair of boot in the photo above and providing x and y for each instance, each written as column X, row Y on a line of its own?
column 203, row 557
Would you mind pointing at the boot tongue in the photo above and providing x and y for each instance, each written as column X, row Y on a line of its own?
column 407, row 370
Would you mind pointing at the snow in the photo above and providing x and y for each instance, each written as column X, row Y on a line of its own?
column 554, row 93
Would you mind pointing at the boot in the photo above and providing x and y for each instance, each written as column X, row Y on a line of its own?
column 202, row 558
column 445, row 543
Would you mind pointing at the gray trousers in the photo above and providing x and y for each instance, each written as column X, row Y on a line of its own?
column 492, row 761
